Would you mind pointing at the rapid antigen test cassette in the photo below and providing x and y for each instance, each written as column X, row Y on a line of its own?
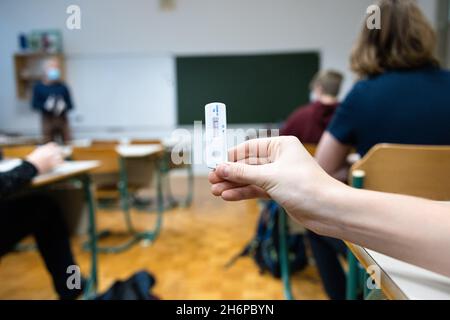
column 216, row 134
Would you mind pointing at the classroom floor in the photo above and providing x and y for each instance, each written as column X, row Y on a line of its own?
column 187, row 259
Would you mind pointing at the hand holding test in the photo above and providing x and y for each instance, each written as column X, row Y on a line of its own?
column 216, row 134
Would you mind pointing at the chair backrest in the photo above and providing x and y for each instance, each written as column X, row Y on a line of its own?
column 422, row 171
column 18, row 151
column 97, row 142
column 311, row 148
column 106, row 154
column 145, row 141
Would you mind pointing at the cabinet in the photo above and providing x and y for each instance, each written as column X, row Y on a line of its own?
column 29, row 68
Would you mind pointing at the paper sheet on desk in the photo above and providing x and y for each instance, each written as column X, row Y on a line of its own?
column 132, row 151
column 65, row 167
column 8, row 165
column 70, row 166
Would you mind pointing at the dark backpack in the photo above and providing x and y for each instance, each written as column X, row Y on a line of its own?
column 264, row 247
column 137, row 287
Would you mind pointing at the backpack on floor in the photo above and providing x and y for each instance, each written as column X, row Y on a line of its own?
column 137, row 287
column 264, row 247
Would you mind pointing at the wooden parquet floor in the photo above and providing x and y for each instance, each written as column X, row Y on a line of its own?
column 187, row 259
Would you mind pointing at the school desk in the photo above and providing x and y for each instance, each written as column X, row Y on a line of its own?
column 151, row 153
column 400, row 280
column 78, row 170
column 184, row 149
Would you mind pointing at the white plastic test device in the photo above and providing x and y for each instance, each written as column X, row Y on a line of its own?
column 216, row 134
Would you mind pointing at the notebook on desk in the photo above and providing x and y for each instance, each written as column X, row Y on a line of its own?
column 64, row 168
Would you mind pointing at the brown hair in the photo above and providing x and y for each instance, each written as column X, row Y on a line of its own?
column 405, row 41
column 329, row 81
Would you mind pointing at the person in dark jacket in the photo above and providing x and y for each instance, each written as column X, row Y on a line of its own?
column 308, row 123
column 51, row 97
column 37, row 215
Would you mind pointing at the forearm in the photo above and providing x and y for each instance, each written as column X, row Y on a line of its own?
column 410, row 229
column 16, row 178
column 341, row 174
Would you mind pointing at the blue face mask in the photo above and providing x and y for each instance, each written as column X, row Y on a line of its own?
column 53, row 74
column 312, row 97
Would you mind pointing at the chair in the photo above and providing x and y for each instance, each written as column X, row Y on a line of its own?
column 112, row 179
column 167, row 166
column 145, row 141
column 311, row 148
column 99, row 142
column 421, row 171
column 105, row 177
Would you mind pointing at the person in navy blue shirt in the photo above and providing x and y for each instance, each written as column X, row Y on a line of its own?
column 51, row 97
column 401, row 96
column 398, row 106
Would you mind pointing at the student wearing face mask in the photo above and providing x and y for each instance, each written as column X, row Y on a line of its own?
column 51, row 98
column 309, row 122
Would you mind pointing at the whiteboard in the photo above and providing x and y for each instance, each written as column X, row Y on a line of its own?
column 122, row 91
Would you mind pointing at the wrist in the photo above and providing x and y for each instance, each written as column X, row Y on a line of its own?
column 30, row 169
column 325, row 212
column 33, row 163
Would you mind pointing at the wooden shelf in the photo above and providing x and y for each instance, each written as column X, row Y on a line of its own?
column 29, row 69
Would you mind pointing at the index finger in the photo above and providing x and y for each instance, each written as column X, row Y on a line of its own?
column 255, row 148
column 214, row 178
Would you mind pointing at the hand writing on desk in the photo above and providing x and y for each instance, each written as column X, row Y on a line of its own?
column 46, row 158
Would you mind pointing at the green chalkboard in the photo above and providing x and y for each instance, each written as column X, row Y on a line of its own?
column 256, row 88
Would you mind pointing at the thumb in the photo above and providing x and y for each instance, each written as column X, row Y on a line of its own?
column 241, row 173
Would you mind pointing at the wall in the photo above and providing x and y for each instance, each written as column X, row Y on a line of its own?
column 118, row 36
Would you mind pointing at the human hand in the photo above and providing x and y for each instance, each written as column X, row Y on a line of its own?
column 278, row 168
column 46, row 157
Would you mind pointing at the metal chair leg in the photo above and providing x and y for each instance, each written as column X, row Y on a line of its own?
column 284, row 255
column 375, row 294
column 124, row 196
column 190, row 195
column 352, row 277
column 355, row 278
column 186, row 202
column 91, row 286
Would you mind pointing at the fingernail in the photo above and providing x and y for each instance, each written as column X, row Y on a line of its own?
column 225, row 170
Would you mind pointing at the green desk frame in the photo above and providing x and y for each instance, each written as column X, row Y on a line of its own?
column 186, row 202
column 92, row 283
column 169, row 201
column 284, row 254
column 146, row 236
column 357, row 277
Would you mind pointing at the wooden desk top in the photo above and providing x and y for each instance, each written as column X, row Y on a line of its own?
column 401, row 280
column 8, row 141
column 66, row 170
column 138, row 150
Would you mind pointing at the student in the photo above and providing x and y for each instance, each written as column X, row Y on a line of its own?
column 51, row 98
column 309, row 122
column 36, row 215
column 287, row 174
column 402, row 96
